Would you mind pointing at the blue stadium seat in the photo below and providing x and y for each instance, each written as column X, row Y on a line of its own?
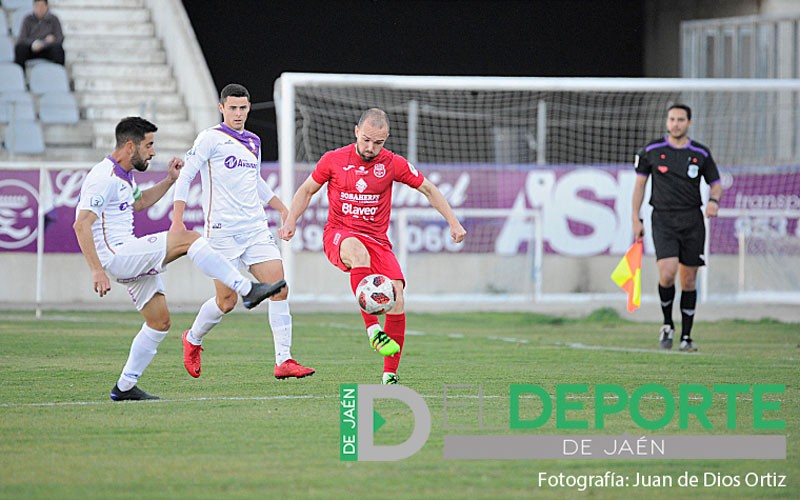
column 11, row 77
column 3, row 22
column 58, row 107
column 6, row 47
column 16, row 19
column 24, row 137
column 17, row 104
column 26, row 5
column 48, row 77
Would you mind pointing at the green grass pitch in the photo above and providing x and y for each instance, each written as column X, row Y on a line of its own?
column 237, row 432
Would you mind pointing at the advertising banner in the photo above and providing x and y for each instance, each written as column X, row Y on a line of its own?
column 585, row 210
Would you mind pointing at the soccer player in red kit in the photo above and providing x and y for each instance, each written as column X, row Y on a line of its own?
column 360, row 178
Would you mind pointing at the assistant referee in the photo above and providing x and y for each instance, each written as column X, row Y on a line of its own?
column 676, row 164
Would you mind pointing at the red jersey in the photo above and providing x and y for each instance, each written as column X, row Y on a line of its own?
column 359, row 192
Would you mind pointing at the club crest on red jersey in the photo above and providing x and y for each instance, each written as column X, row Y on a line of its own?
column 379, row 170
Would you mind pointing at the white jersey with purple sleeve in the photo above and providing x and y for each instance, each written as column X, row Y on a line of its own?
column 110, row 192
column 229, row 162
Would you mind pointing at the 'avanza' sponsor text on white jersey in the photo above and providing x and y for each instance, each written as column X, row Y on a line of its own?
column 229, row 163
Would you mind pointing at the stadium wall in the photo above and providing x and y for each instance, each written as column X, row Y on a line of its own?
column 173, row 27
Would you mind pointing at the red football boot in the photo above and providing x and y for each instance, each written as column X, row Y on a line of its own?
column 291, row 368
column 191, row 356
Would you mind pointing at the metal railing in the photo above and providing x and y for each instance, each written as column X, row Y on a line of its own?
column 741, row 47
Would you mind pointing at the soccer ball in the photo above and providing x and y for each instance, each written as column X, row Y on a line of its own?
column 376, row 294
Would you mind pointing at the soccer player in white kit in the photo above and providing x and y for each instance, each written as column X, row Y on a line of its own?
column 104, row 229
column 228, row 158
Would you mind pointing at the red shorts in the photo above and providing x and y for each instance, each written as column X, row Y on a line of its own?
column 382, row 259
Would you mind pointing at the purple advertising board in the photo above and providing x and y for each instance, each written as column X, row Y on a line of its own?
column 585, row 210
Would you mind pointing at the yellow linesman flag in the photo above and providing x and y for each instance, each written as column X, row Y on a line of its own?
column 628, row 275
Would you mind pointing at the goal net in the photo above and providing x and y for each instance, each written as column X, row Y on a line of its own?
column 540, row 172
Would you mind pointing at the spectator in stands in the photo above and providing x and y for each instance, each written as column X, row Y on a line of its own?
column 40, row 36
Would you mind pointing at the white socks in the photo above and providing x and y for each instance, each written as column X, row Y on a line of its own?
column 143, row 349
column 280, row 320
column 217, row 266
column 207, row 318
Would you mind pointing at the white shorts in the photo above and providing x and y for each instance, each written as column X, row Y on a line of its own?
column 137, row 265
column 244, row 250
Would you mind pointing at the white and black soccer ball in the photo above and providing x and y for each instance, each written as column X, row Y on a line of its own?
column 376, row 294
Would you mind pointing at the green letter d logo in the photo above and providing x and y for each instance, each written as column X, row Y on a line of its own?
column 367, row 450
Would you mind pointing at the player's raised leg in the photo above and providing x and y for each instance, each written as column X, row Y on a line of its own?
column 213, row 264
column 355, row 256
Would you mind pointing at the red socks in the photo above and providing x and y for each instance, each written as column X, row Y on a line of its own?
column 395, row 328
column 394, row 325
column 356, row 275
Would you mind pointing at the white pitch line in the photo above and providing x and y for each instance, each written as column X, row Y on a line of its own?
column 579, row 345
column 286, row 397
column 184, row 400
column 220, row 398
column 72, row 319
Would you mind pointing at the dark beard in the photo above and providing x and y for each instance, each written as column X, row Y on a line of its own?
column 138, row 163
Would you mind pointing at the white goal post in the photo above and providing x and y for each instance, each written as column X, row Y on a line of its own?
column 562, row 150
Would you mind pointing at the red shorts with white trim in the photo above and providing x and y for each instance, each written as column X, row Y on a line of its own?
column 382, row 259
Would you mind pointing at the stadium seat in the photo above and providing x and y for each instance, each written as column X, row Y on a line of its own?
column 24, row 137
column 16, row 19
column 33, row 62
column 58, row 107
column 48, row 77
column 3, row 22
column 16, row 105
column 6, row 47
column 11, row 77
column 26, row 5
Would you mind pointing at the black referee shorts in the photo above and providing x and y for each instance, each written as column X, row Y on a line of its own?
column 681, row 234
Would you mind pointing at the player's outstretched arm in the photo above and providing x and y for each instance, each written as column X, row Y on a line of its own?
column 439, row 202
column 178, row 207
column 83, row 231
column 151, row 196
column 276, row 204
column 300, row 203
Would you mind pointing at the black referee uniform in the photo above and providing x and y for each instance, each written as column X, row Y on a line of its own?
column 678, row 226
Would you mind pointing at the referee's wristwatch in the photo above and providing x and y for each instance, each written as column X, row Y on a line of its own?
column 714, row 200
